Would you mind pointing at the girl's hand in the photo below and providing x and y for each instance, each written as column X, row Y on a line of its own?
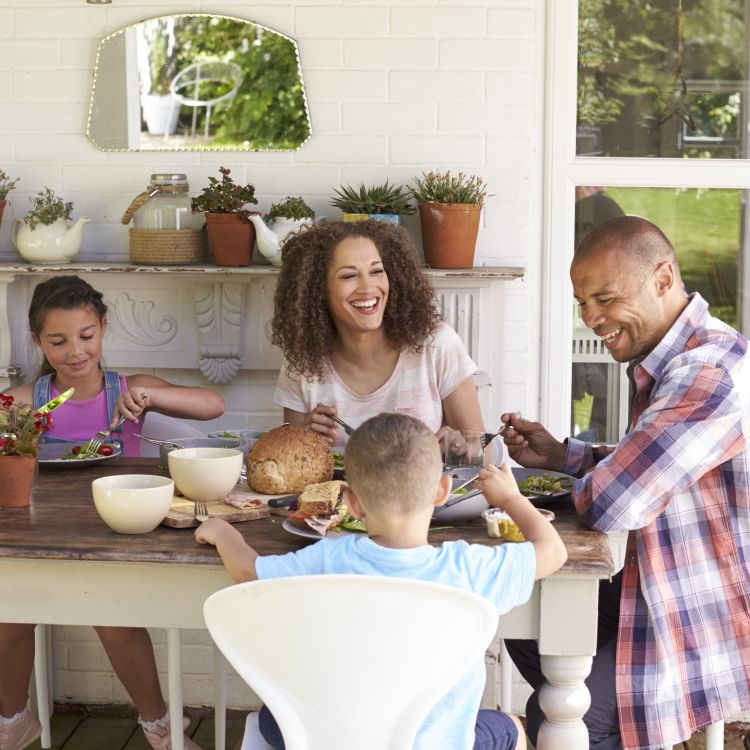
column 212, row 531
column 497, row 485
column 320, row 421
column 132, row 404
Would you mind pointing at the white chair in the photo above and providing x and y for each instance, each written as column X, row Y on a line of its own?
column 346, row 661
column 160, row 427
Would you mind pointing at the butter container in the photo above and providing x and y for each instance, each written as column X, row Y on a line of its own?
column 501, row 526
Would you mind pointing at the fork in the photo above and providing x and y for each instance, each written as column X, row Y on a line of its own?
column 347, row 429
column 486, row 438
column 200, row 511
column 91, row 448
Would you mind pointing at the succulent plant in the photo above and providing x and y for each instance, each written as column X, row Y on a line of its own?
column 292, row 207
column 442, row 187
column 375, row 199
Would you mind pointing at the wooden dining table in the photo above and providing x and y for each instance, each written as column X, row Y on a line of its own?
column 60, row 564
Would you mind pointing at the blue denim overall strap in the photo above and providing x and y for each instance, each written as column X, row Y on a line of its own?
column 42, row 394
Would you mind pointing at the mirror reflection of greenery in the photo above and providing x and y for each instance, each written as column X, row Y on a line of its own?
column 269, row 103
column 627, row 54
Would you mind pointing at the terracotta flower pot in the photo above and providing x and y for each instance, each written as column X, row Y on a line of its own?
column 231, row 239
column 16, row 476
column 2, row 208
column 449, row 233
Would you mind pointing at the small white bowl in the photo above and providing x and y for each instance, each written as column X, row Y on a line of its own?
column 205, row 473
column 132, row 503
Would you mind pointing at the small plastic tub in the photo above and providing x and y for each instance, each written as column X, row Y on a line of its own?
column 501, row 526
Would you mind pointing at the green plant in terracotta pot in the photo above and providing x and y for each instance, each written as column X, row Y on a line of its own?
column 231, row 235
column 6, row 185
column 21, row 426
column 450, row 207
column 385, row 202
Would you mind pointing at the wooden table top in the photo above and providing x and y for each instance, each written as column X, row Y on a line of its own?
column 62, row 523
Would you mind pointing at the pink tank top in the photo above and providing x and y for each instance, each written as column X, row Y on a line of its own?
column 79, row 420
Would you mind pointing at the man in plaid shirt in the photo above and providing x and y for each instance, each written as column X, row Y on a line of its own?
column 673, row 652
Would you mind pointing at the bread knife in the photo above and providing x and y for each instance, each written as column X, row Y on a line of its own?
column 282, row 502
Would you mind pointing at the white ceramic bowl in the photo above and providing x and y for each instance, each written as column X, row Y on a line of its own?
column 132, row 503
column 205, row 473
column 203, row 442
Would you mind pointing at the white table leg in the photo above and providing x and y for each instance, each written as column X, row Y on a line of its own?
column 220, row 700
column 564, row 700
column 174, row 673
column 41, row 676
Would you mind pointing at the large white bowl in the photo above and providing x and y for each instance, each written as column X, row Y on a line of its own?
column 132, row 503
column 205, row 473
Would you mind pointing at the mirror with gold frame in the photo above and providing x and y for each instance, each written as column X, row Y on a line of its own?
column 198, row 82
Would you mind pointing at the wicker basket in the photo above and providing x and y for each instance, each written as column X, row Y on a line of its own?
column 168, row 247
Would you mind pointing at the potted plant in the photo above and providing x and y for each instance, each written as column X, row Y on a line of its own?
column 160, row 109
column 21, row 426
column 385, row 202
column 449, row 211
column 44, row 235
column 231, row 236
column 281, row 220
column 6, row 185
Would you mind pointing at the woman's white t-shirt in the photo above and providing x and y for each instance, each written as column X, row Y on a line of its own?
column 418, row 385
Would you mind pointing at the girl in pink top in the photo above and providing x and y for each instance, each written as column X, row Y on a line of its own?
column 356, row 320
column 68, row 318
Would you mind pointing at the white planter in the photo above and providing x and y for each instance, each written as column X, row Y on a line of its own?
column 160, row 113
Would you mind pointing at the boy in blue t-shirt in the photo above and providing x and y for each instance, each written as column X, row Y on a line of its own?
column 394, row 472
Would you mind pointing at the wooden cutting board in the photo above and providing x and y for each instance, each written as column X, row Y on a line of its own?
column 181, row 514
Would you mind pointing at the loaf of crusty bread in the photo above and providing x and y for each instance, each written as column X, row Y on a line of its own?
column 287, row 459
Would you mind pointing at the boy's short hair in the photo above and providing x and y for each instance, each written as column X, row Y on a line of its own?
column 393, row 460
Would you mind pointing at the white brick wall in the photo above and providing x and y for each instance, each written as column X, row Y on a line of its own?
column 394, row 88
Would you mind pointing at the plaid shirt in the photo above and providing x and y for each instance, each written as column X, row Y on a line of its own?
column 679, row 481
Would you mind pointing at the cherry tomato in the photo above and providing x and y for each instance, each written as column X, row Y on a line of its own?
column 105, row 450
column 75, row 450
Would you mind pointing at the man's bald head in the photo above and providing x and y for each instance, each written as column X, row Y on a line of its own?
column 641, row 244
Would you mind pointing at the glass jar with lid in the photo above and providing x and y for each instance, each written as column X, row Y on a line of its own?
column 168, row 205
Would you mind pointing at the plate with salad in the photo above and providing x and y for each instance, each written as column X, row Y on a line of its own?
column 65, row 455
column 540, row 484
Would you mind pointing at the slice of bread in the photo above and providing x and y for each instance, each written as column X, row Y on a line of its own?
column 320, row 499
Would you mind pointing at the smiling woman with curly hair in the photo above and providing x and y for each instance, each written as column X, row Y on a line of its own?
column 356, row 320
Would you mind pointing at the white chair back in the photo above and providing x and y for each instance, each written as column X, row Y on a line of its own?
column 345, row 661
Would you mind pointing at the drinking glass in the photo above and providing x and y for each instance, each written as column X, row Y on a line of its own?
column 463, row 448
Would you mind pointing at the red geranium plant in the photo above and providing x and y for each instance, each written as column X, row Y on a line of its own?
column 21, row 426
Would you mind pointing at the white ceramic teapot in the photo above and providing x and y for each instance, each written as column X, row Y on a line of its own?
column 270, row 239
column 58, row 242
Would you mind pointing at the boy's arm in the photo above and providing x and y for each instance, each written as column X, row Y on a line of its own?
column 238, row 557
column 501, row 491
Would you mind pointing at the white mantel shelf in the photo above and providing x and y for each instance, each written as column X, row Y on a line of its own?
column 487, row 272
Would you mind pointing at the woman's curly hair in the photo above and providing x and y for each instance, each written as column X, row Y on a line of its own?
column 302, row 324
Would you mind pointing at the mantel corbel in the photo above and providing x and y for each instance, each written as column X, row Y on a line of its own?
column 218, row 308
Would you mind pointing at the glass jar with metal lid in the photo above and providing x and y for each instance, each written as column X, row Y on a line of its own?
column 168, row 205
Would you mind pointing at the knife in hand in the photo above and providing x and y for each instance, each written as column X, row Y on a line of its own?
column 56, row 401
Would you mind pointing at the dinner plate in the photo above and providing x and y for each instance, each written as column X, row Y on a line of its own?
column 465, row 507
column 521, row 473
column 308, row 533
column 49, row 456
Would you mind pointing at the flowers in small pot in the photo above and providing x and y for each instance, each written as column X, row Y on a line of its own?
column 21, row 426
column 6, row 184
column 48, row 208
column 450, row 207
column 292, row 207
column 386, row 202
column 225, row 196
column 231, row 236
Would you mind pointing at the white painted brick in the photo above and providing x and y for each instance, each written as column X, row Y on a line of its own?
column 344, row 149
column 387, row 53
column 510, row 87
column 320, row 53
column 53, row 23
column 72, row 148
column 48, row 84
column 79, row 53
column 505, row 119
column 514, row 22
column 73, row 633
column 435, row 86
column 83, row 655
column 512, row 151
column 84, row 687
column 31, row 116
column 390, row 118
column 74, row 115
column 430, row 20
column 325, row 117
column 507, row 54
column 7, row 147
column 95, row 178
column 433, row 149
column 345, row 85
column 6, row 23
column 341, row 20
column 31, row 53
column 6, row 86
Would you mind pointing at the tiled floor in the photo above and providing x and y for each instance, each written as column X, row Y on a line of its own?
column 108, row 728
